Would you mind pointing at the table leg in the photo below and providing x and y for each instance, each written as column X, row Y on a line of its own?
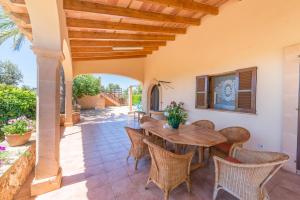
column 139, row 117
column 200, row 163
column 201, row 154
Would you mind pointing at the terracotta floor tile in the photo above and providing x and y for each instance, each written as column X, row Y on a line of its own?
column 93, row 160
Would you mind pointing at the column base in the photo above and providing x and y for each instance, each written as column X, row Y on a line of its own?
column 42, row 186
column 68, row 124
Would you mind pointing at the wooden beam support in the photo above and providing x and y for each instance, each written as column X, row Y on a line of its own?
column 84, row 6
column 94, row 24
column 187, row 5
column 105, row 49
column 21, row 17
column 133, row 53
column 108, row 58
column 116, row 43
column 17, row 1
column 99, row 35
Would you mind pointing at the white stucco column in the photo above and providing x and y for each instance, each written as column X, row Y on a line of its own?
column 47, row 168
column 130, row 98
column 68, row 103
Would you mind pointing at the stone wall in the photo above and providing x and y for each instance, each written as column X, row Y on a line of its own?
column 92, row 102
column 14, row 174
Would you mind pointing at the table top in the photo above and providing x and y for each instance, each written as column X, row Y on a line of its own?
column 186, row 134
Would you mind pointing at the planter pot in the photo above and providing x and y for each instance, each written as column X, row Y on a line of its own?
column 62, row 119
column 17, row 140
column 174, row 124
column 76, row 117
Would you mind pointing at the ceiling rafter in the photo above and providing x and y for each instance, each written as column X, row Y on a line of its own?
column 91, row 7
column 115, row 43
column 108, row 58
column 95, row 24
column 105, row 49
column 187, row 5
column 99, row 35
column 99, row 54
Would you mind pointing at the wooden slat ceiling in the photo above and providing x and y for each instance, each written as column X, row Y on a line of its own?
column 114, row 29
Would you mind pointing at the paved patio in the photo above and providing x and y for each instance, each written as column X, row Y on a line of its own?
column 93, row 160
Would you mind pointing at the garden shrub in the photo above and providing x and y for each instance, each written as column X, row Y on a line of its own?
column 136, row 99
column 85, row 85
column 16, row 102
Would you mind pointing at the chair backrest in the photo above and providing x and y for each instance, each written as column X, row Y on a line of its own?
column 135, row 136
column 259, row 157
column 205, row 124
column 235, row 134
column 168, row 162
column 146, row 119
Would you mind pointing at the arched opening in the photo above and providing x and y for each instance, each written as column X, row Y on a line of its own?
column 154, row 98
column 113, row 91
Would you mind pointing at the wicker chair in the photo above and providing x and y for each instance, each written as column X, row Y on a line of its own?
column 138, row 148
column 236, row 137
column 205, row 124
column 168, row 170
column 157, row 140
column 146, row 118
column 246, row 180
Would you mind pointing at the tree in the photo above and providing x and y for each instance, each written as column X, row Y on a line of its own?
column 85, row 85
column 112, row 87
column 10, row 73
column 8, row 29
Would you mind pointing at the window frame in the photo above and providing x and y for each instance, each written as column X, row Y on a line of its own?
column 210, row 89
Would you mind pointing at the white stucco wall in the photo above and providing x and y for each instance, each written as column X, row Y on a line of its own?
column 245, row 34
column 133, row 67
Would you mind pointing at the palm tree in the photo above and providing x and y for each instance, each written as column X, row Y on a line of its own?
column 8, row 29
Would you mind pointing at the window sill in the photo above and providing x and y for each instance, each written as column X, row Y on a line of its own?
column 229, row 111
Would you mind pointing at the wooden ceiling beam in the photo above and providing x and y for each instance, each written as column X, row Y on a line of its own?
column 84, row 6
column 108, row 58
column 94, row 24
column 133, row 53
column 105, row 49
column 187, row 5
column 91, row 49
column 99, row 35
column 115, row 43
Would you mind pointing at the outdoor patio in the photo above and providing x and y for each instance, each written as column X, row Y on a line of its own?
column 93, row 161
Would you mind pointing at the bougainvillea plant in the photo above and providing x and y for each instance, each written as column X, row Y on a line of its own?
column 3, row 154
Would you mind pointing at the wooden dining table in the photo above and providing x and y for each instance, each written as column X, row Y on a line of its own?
column 186, row 135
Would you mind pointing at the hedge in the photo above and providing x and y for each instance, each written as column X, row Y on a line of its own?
column 16, row 102
column 136, row 99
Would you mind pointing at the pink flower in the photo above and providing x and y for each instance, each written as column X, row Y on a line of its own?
column 2, row 148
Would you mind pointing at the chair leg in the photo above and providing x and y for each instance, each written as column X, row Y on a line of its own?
column 148, row 181
column 188, row 185
column 166, row 195
column 136, row 163
column 216, row 190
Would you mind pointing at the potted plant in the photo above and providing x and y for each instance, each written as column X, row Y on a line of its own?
column 175, row 114
column 18, row 131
